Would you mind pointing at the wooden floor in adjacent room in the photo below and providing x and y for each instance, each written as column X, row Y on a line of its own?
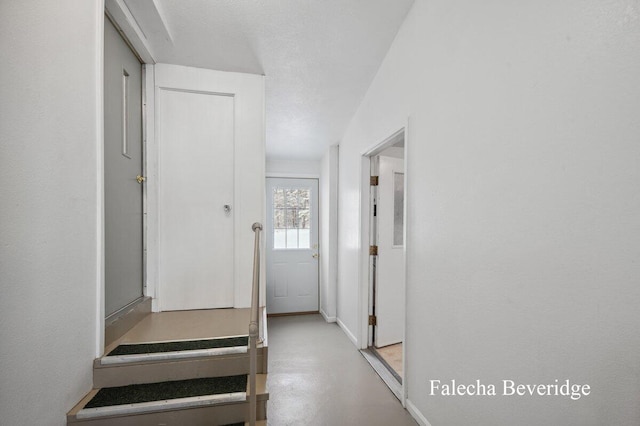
column 392, row 355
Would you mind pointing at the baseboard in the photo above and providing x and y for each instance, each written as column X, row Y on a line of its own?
column 291, row 314
column 383, row 371
column 347, row 332
column 117, row 324
column 416, row 414
column 326, row 317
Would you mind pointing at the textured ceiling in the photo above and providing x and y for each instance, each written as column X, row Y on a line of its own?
column 318, row 56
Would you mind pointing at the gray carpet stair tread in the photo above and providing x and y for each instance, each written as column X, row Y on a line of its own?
column 148, row 392
column 189, row 345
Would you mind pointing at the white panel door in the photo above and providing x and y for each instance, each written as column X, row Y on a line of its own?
column 292, row 245
column 196, row 231
column 390, row 260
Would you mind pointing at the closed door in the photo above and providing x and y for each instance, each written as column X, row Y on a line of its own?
column 389, row 303
column 196, row 193
column 122, row 166
column 292, row 245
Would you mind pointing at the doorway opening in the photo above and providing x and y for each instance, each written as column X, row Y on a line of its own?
column 386, row 271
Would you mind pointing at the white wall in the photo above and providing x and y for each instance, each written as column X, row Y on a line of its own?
column 50, row 163
column 293, row 168
column 523, row 200
column 329, row 232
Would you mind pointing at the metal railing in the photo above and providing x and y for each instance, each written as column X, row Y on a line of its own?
column 254, row 329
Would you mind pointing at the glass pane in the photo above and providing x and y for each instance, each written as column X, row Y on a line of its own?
column 292, row 218
column 304, row 236
column 292, row 197
column 279, row 218
column 304, row 198
column 292, row 238
column 398, row 209
column 278, row 198
column 304, row 219
column 279, row 238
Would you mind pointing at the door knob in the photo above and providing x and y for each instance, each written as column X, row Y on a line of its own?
column 315, row 255
column 227, row 208
column 140, row 179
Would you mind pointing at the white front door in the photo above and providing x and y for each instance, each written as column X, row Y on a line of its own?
column 196, row 193
column 390, row 278
column 292, row 245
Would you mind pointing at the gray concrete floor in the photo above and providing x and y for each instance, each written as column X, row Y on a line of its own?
column 318, row 377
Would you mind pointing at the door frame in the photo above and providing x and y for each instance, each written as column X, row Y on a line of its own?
column 286, row 175
column 374, row 238
column 268, row 230
column 365, row 280
column 117, row 12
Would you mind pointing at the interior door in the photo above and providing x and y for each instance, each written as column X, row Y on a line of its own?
column 122, row 164
column 390, row 278
column 196, row 193
column 292, row 245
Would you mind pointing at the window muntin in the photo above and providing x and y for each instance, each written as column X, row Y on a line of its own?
column 291, row 218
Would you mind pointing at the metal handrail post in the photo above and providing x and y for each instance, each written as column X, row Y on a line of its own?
column 254, row 325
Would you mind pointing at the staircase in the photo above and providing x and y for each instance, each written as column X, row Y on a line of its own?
column 184, row 368
column 194, row 381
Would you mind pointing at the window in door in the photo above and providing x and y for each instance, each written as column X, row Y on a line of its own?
column 398, row 209
column 291, row 218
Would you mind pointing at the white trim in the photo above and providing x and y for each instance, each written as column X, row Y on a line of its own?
column 365, row 210
column 363, row 271
column 151, row 188
column 170, row 356
column 416, row 414
column 326, row 317
column 347, row 332
column 392, row 383
column 100, row 248
column 405, row 388
column 330, row 248
column 364, row 279
column 164, row 405
column 143, row 172
column 120, row 14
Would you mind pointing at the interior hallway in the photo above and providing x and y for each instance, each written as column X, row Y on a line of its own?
column 317, row 377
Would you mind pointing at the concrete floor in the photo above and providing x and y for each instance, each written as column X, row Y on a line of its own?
column 318, row 377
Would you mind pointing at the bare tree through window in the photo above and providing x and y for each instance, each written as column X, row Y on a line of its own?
column 291, row 218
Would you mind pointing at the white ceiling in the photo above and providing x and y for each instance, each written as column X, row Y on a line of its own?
column 318, row 56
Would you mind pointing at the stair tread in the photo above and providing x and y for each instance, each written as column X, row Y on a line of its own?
column 176, row 346
column 261, row 385
column 134, row 394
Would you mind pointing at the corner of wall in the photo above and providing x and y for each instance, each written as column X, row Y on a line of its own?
column 348, row 332
column 326, row 317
